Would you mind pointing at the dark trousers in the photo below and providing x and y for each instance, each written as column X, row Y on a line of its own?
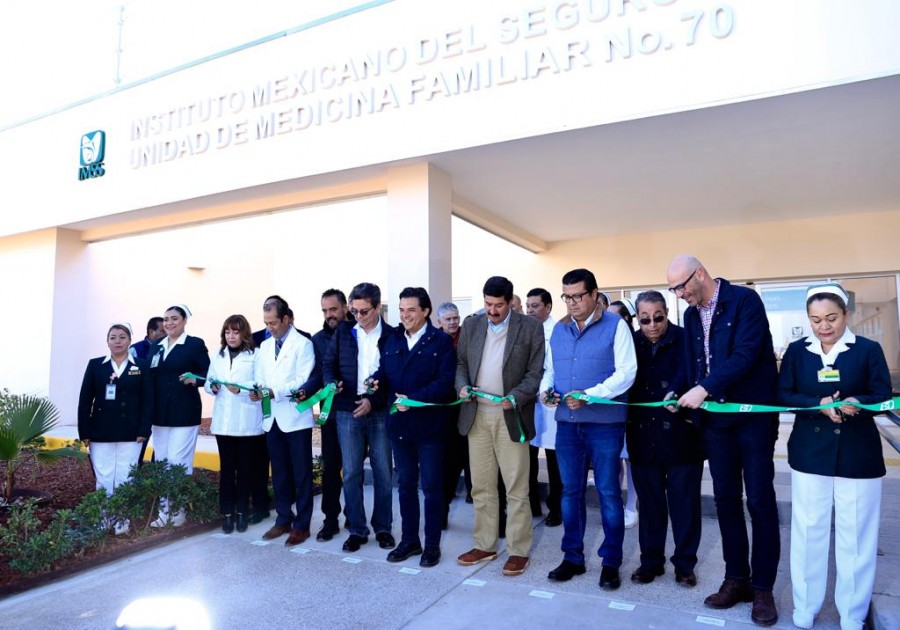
column 413, row 457
column 456, row 460
column 241, row 458
column 740, row 458
column 666, row 491
column 554, row 488
column 291, row 455
column 331, row 473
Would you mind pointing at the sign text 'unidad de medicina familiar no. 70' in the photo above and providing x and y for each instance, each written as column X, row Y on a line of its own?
column 539, row 41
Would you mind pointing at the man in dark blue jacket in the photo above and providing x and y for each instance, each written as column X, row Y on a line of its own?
column 730, row 357
column 418, row 363
column 353, row 358
column 666, row 450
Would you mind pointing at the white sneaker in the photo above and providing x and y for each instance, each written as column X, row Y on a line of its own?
column 159, row 522
column 803, row 620
column 177, row 520
column 631, row 517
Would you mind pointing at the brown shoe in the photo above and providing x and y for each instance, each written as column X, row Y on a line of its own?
column 474, row 556
column 515, row 565
column 275, row 531
column 730, row 593
column 297, row 536
column 764, row 612
column 688, row 580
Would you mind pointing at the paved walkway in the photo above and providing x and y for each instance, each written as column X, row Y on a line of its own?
column 243, row 582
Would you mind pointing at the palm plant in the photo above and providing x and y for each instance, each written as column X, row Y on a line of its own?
column 23, row 422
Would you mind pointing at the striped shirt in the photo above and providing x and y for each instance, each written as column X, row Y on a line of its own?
column 706, row 316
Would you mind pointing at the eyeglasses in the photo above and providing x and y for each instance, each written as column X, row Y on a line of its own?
column 363, row 312
column 573, row 299
column 678, row 288
column 657, row 319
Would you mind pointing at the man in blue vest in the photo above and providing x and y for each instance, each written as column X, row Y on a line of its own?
column 592, row 352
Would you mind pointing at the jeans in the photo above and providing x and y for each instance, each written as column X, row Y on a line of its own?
column 353, row 434
column 427, row 456
column 740, row 457
column 577, row 443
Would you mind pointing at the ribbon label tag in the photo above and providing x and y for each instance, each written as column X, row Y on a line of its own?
column 111, row 391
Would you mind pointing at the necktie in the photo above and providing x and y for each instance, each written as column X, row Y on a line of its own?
column 278, row 344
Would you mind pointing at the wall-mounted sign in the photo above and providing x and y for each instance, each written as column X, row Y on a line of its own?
column 93, row 150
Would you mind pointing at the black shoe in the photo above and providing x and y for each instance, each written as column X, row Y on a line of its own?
column 258, row 517
column 240, row 522
column 404, row 551
column 566, row 571
column 354, row 543
column 385, row 540
column 609, row 579
column 430, row 557
column 688, row 580
column 645, row 575
column 553, row 520
column 328, row 531
column 469, row 498
column 228, row 523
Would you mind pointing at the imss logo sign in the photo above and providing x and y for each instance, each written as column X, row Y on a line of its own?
column 93, row 150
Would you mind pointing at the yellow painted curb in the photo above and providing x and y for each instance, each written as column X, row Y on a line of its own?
column 202, row 459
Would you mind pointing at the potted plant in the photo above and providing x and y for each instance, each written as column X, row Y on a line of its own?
column 24, row 420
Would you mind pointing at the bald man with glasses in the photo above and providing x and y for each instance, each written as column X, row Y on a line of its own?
column 730, row 358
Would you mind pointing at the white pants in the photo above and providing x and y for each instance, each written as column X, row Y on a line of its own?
column 112, row 462
column 176, row 444
column 857, row 509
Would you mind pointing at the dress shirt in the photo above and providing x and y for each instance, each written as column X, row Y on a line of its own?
column 368, row 355
column 412, row 340
column 706, row 315
column 167, row 347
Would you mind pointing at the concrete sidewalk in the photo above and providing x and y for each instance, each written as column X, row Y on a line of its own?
column 244, row 582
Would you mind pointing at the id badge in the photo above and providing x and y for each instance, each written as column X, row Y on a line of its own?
column 111, row 391
column 829, row 376
column 155, row 362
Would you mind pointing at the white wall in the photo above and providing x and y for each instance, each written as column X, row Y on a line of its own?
column 544, row 67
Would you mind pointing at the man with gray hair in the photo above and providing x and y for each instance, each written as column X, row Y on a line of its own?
column 448, row 320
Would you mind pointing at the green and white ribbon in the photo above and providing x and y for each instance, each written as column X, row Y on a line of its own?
column 325, row 396
column 726, row 407
column 408, row 402
column 266, row 402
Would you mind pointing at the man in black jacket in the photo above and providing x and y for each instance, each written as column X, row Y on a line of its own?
column 353, row 356
column 335, row 311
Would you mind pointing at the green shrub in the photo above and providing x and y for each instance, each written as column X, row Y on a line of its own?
column 30, row 549
column 138, row 498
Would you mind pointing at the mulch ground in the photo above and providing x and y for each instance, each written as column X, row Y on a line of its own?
column 68, row 481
